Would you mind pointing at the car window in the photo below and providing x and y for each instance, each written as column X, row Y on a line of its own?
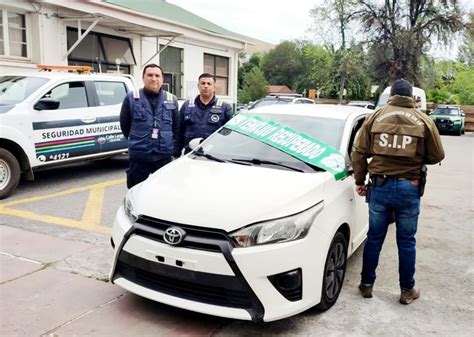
column 266, row 102
column 307, row 101
column 15, row 89
column 447, row 111
column 70, row 95
column 110, row 93
column 298, row 101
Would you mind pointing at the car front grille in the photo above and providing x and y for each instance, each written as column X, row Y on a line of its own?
column 196, row 238
column 222, row 290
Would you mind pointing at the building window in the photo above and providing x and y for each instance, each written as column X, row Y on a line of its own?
column 105, row 53
column 219, row 67
column 12, row 34
column 171, row 60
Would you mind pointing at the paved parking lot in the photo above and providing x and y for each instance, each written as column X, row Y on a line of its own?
column 55, row 255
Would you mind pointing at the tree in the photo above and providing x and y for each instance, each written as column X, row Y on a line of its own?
column 340, row 12
column 282, row 64
column 254, row 61
column 466, row 52
column 254, row 86
column 400, row 33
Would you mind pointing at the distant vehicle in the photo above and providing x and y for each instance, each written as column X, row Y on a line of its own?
column 449, row 119
column 281, row 99
column 51, row 118
column 362, row 104
column 416, row 92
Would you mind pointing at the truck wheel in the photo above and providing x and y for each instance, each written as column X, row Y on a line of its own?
column 9, row 173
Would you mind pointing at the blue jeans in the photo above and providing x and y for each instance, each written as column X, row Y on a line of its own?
column 402, row 198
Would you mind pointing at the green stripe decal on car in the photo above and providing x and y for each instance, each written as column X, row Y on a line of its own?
column 286, row 139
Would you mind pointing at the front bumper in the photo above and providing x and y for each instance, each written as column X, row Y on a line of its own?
column 447, row 125
column 208, row 275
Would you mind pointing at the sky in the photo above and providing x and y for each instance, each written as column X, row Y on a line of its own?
column 272, row 21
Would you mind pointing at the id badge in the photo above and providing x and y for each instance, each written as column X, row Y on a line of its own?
column 154, row 133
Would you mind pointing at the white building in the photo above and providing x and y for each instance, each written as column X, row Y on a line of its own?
column 120, row 35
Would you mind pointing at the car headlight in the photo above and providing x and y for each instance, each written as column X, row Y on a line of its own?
column 285, row 229
column 129, row 208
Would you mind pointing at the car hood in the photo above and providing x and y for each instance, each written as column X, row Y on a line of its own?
column 224, row 195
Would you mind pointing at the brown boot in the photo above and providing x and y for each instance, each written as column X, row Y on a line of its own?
column 409, row 296
column 366, row 291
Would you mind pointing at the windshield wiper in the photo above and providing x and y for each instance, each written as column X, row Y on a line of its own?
column 200, row 153
column 256, row 161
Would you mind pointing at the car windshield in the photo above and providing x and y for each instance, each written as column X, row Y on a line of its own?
column 15, row 89
column 272, row 101
column 229, row 145
column 446, row 112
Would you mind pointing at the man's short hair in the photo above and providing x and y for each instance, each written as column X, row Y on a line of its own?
column 401, row 87
column 207, row 75
column 152, row 65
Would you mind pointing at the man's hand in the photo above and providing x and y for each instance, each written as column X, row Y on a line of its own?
column 361, row 190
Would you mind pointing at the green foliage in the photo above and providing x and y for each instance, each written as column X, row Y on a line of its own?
column 254, row 86
column 253, row 62
column 283, row 64
column 463, row 86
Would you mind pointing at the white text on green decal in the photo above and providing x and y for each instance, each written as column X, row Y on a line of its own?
column 299, row 145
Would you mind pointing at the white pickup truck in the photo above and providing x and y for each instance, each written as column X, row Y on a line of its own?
column 51, row 118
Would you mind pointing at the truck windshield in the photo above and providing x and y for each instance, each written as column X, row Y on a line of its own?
column 15, row 89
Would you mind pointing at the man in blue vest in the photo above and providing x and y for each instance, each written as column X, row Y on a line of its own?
column 149, row 120
column 205, row 114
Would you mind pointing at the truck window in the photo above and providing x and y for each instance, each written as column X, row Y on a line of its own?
column 70, row 95
column 110, row 93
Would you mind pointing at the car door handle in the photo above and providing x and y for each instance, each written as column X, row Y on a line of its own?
column 88, row 119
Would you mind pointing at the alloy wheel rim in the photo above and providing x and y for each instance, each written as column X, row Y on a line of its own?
column 5, row 174
column 335, row 271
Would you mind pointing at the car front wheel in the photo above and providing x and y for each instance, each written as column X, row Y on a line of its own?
column 334, row 271
column 9, row 173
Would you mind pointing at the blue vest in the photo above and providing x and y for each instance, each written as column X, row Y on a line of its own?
column 145, row 119
column 201, row 124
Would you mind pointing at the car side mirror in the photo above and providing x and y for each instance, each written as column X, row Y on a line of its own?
column 463, row 114
column 46, row 104
column 194, row 143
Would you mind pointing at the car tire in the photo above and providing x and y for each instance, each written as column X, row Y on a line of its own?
column 334, row 272
column 9, row 173
column 459, row 132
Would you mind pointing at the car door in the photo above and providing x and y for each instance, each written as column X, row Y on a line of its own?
column 360, row 212
column 66, row 132
column 109, row 97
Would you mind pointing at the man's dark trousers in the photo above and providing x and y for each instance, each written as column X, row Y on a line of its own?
column 139, row 169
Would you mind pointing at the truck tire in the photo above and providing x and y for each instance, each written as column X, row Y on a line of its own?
column 9, row 173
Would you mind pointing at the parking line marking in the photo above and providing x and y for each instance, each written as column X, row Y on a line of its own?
column 58, row 194
column 93, row 211
column 90, row 218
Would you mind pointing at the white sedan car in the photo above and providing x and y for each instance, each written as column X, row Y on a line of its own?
column 256, row 223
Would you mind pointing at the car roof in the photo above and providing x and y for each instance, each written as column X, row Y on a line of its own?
column 64, row 75
column 341, row 112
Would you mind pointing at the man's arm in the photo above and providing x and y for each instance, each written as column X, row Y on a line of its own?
column 125, row 117
column 360, row 153
column 228, row 113
column 434, row 151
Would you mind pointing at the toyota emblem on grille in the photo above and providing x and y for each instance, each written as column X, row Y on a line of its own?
column 174, row 235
